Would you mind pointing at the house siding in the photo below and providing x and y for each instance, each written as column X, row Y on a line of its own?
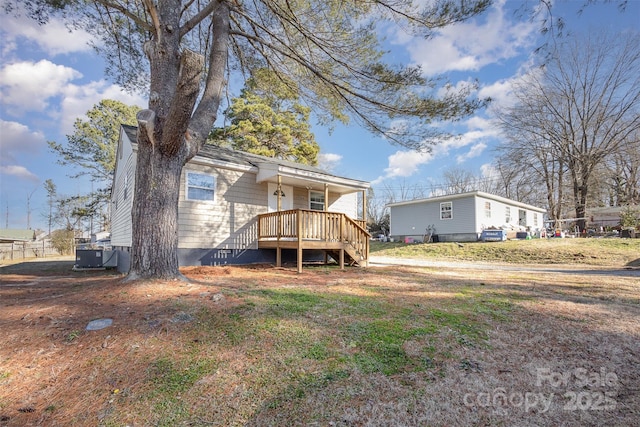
column 413, row 220
column 300, row 198
column 468, row 217
column 346, row 204
column 121, row 205
column 227, row 222
column 498, row 214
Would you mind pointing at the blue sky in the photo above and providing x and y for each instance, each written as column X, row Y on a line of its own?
column 50, row 77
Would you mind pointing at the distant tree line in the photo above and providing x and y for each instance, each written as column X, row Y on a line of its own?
column 571, row 136
column 574, row 130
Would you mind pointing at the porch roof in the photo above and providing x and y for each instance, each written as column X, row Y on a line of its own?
column 295, row 174
column 306, row 178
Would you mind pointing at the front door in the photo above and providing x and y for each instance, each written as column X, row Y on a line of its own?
column 286, row 197
column 522, row 218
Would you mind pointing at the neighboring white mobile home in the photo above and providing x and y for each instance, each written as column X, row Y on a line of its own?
column 239, row 208
column 461, row 217
column 607, row 216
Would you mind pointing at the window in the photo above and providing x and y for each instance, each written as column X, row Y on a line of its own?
column 507, row 215
column 535, row 220
column 316, row 201
column 487, row 209
column 126, row 186
column 446, row 210
column 200, row 186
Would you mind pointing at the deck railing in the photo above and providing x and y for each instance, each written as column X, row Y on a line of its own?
column 308, row 225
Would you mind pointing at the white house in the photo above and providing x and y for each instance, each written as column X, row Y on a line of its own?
column 239, row 208
column 607, row 216
column 461, row 217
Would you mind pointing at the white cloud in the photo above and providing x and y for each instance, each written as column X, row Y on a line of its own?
column 473, row 136
column 472, row 44
column 499, row 92
column 78, row 99
column 479, row 132
column 479, row 123
column 475, row 151
column 460, row 86
column 53, row 38
column 328, row 161
column 47, row 87
column 28, row 86
column 488, row 171
column 19, row 172
column 18, row 139
column 404, row 164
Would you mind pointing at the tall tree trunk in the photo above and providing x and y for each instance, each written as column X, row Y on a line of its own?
column 155, row 215
column 170, row 133
column 581, row 208
column 580, row 191
column 560, row 184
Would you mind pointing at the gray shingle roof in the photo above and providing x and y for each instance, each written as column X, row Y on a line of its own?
column 215, row 152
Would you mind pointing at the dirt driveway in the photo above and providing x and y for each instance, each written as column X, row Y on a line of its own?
column 385, row 261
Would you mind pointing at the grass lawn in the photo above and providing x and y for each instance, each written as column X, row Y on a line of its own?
column 603, row 251
column 383, row 346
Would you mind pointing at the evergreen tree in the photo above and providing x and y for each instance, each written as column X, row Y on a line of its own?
column 92, row 146
column 91, row 149
column 268, row 119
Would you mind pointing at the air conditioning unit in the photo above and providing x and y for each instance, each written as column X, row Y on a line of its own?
column 89, row 258
column 109, row 259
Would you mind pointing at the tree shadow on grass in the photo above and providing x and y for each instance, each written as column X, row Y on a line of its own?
column 39, row 268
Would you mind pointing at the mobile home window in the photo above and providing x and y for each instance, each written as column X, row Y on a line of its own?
column 507, row 215
column 487, row 209
column 316, row 201
column 200, row 186
column 446, row 210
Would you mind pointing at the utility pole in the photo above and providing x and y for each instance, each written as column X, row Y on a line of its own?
column 29, row 208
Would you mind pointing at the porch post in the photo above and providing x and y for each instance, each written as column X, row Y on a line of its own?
column 342, row 241
column 279, row 224
column 364, row 207
column 326, row 217
column 326, row 197
column 299, row 233
column 279, row 191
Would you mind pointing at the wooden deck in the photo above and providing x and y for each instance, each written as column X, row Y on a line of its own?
column 339, row 236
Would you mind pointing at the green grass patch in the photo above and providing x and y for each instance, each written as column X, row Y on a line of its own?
column 294, row 342
column 372, row 329
column 379, row 345
column 605, row 251
column 170, row 379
